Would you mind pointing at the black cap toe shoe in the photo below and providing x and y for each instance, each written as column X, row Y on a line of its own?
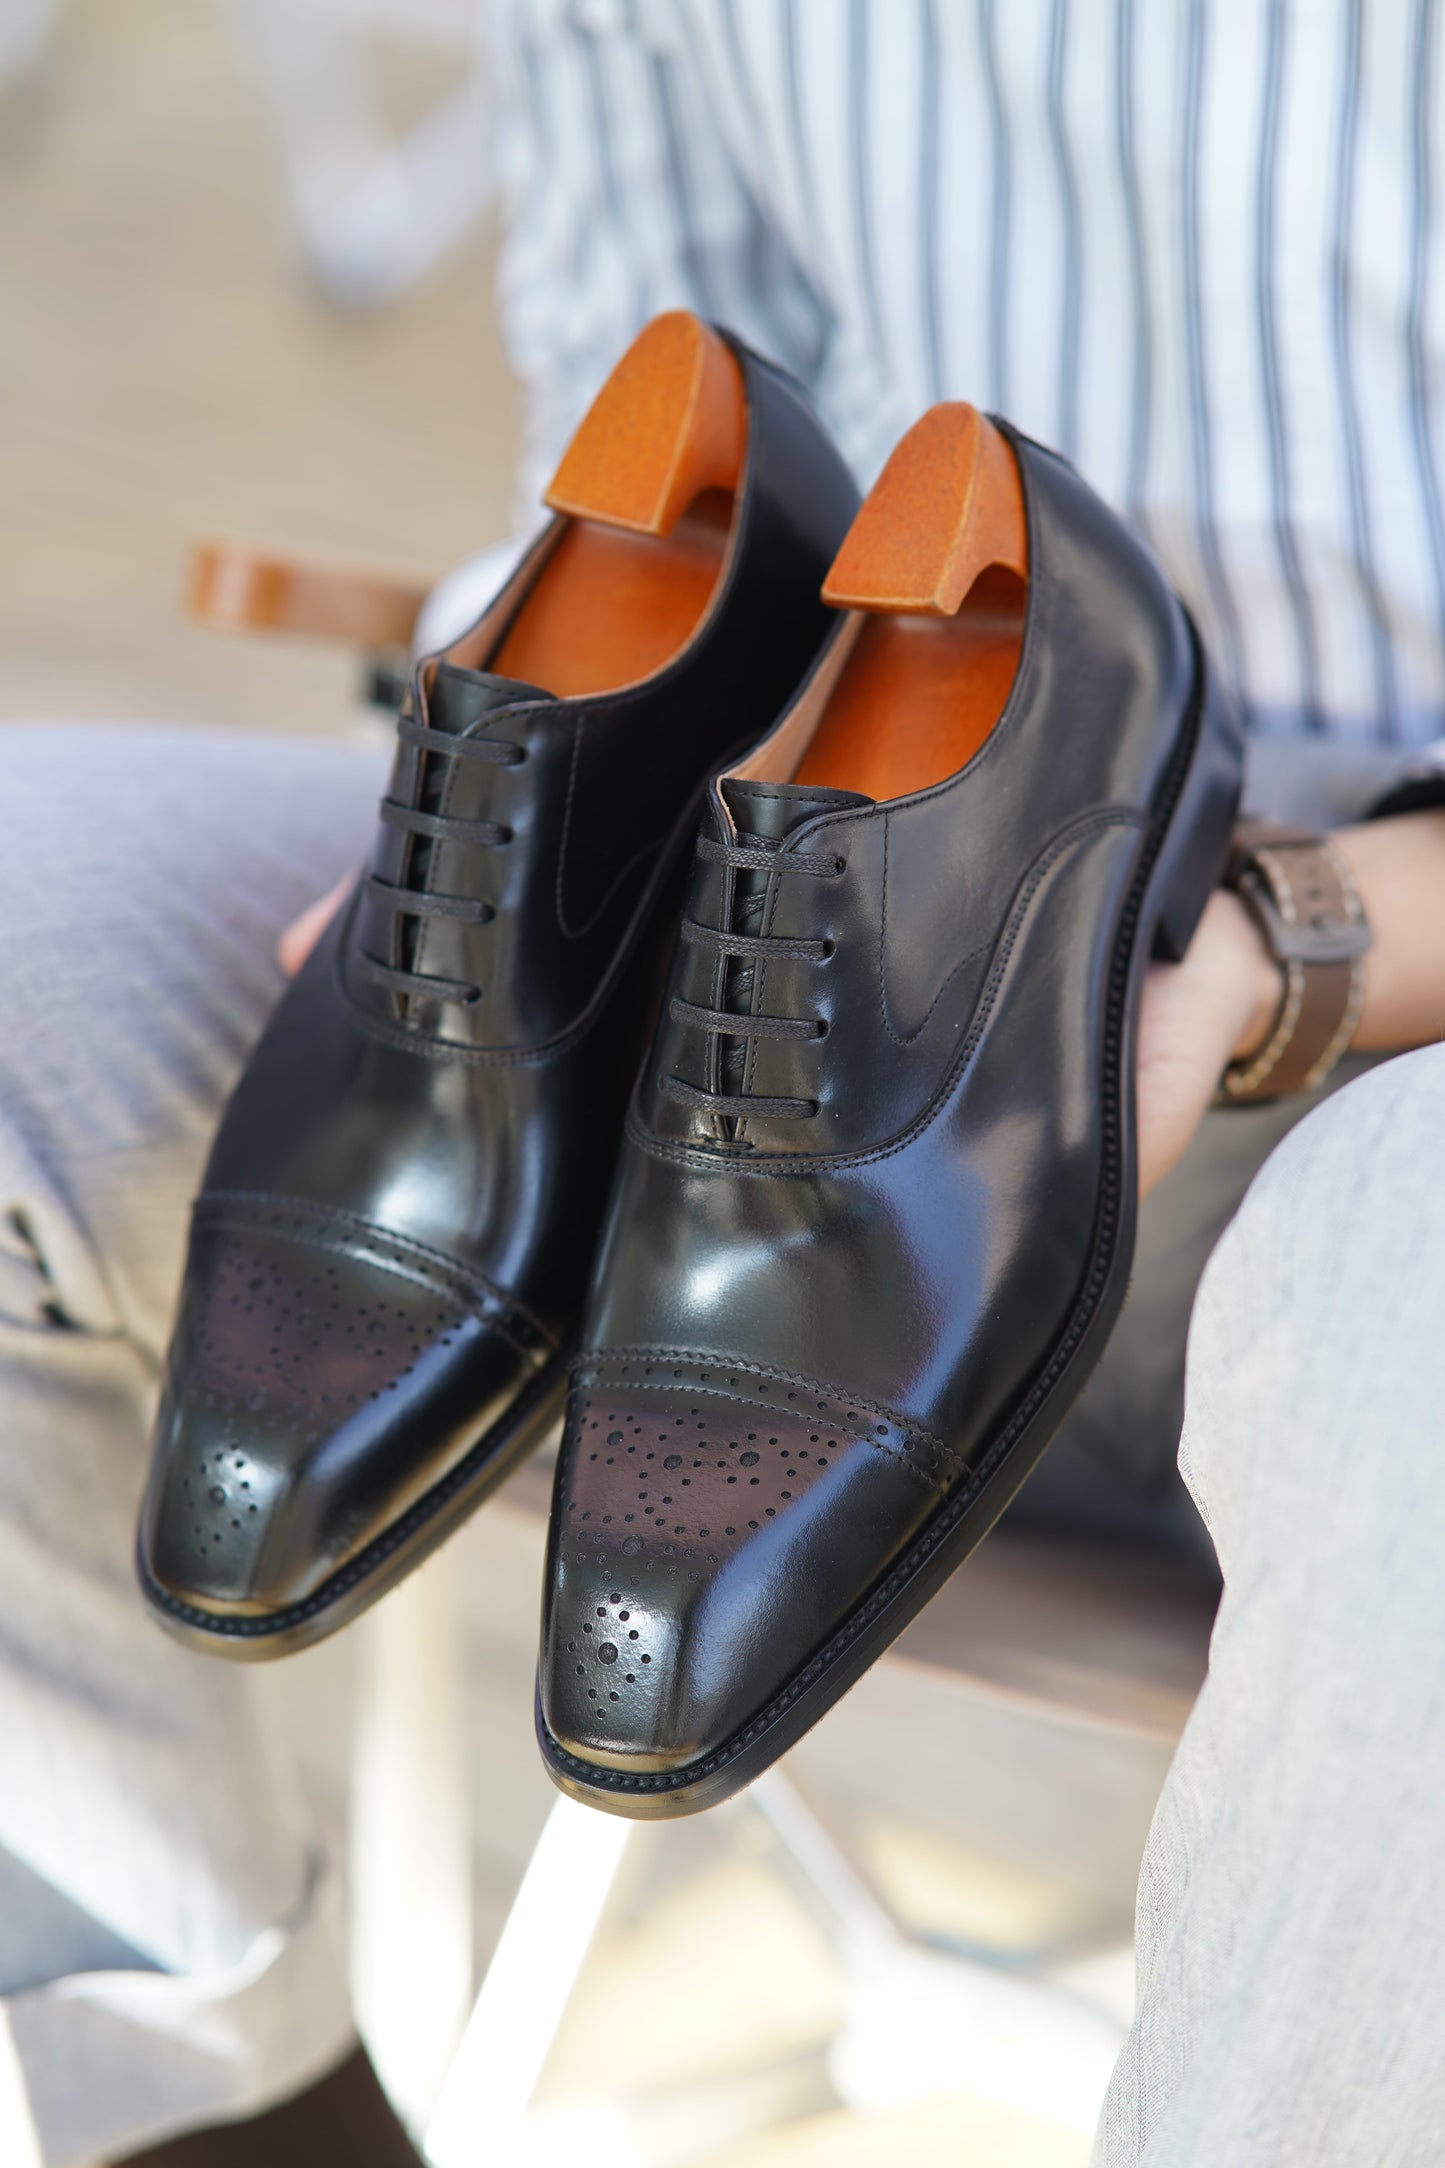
column 393, row 1240
column 875, row 1205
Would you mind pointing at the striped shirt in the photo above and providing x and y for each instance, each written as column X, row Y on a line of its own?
column 1194, row 244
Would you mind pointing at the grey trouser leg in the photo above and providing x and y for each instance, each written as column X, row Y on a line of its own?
column 1112, row 1472
column 168, row 1953
column 1291, row 1959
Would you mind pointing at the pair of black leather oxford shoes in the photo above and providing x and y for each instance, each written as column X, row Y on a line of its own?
column 868, row 892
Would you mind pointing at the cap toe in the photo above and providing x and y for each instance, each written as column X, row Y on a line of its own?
column 321, row 1378
column 713, row 1526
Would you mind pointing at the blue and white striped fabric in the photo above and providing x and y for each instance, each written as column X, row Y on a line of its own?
column 1196, row 244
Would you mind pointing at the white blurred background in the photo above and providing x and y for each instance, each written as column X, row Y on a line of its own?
column 173, row 360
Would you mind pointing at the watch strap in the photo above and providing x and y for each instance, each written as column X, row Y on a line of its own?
column 1301, row 895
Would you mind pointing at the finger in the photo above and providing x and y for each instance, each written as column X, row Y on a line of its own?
column 302, row 935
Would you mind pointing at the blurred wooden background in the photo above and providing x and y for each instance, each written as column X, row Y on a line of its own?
column 163, row 373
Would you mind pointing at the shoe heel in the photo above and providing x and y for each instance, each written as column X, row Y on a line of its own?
column 1196, row 844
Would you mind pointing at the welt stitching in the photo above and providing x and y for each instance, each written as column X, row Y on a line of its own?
column 1117, row 817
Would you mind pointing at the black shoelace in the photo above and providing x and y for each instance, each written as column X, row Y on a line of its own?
column 739, row 1024
column 403, row 901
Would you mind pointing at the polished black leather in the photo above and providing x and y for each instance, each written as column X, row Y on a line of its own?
column 396, row 1225
column 823, row 1346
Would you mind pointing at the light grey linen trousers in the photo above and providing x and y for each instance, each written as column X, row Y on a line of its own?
column 169, row 1949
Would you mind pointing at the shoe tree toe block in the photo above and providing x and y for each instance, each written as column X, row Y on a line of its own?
column 647, row 489
column 937, row 562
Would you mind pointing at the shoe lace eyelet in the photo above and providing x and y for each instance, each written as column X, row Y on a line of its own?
column 829, row 950
column 840, row 865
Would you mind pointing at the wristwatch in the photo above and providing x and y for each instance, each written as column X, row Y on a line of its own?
column 1298, row 890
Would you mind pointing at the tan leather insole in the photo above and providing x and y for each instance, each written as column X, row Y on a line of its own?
column 919, row 695
column 609, row 607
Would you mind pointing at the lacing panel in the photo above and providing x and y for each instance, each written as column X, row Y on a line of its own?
column 415, row 901
column 724, row 943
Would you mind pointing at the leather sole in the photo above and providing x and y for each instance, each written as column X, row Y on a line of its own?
column 1185, row 851
column 261, row 1637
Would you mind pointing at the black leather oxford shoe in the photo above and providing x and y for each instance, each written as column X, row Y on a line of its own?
column 875, row 1206
column 392, row 1242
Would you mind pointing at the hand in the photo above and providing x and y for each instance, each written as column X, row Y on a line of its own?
column 303, row 933
column 1218, row 1006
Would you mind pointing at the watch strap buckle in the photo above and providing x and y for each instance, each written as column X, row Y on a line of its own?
column 1318, row 940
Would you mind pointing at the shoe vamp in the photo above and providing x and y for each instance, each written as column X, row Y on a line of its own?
column 500, row 1165
column 935, row 1272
